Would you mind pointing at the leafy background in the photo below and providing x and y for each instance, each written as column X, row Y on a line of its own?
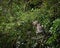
column 16, row 18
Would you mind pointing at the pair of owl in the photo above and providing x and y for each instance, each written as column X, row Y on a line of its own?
column 38, row 26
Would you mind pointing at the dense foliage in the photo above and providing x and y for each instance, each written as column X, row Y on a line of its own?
column 16, row 29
